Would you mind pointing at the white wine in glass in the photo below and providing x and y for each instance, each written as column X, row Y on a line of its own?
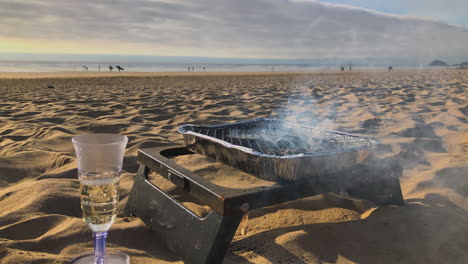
column 100, row 158
column 99, row 198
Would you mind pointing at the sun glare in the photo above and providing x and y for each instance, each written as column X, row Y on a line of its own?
column 80, row 47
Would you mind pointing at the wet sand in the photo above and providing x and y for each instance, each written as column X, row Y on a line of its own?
column 420, row 117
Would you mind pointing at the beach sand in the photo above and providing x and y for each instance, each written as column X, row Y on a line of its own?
column 420, row 117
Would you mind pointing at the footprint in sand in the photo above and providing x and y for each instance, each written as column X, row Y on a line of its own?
column 432, row 145
column 32, row 228
column 373, row 123
column 437, row 103
column 25, row 114
column 115, row 128
column 157, row 118
column 118, row 106
column 21, row 116
column 459, row 101
column 154, row 111
column 15, row 138
column 411, row 154
column 454, row 178
column 95, row 114
column 418, row 131
column 464, row 110
column 53, row 120
column 64, row 203
column 67, row 174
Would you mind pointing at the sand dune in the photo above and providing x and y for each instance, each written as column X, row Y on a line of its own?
column 420, row 117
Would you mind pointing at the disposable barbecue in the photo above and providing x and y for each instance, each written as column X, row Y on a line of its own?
column 275, row 150
column 299, row 161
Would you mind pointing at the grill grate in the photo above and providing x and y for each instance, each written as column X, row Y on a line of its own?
column 277, row 138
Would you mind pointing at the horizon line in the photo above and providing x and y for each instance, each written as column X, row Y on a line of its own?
column 132, row 58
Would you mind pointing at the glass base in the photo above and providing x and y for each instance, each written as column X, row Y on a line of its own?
column 112, row 257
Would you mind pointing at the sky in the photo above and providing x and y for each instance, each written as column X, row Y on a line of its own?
column 412, row 30
column 450, row 11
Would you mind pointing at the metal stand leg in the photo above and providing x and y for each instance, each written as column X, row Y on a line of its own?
column 196, row 240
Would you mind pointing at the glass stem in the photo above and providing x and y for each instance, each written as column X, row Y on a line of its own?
column 99, row 246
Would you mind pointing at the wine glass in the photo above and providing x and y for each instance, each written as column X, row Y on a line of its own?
column 100, row 158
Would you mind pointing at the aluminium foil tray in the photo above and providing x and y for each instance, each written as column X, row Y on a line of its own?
column 275, row 150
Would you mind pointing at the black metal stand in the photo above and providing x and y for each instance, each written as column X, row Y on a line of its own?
column 194, row 239
column 205, row 240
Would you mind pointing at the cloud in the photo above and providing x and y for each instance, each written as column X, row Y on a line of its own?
column 452, row 11
column 245, row 28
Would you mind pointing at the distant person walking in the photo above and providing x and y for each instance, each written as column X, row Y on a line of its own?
column 188, row 68
column 342, row 68
column 390, row 68
column 193, row 68
column 110, row 68
column 203, row 68
column 119, row 68
column 350, row 67
column 99, row 68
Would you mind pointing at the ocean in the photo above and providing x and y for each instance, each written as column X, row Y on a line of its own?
column 60, row 66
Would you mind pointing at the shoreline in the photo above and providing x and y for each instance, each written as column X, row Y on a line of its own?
column 97, row 74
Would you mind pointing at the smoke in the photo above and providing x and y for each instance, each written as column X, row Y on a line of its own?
column 305, row 106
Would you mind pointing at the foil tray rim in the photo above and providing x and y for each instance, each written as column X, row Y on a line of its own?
column 182, row 130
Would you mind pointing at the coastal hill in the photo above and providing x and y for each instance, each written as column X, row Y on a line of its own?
column 463, row 65
column 438, row 63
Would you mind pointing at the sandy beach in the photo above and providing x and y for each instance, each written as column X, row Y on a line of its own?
column 420, row 118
